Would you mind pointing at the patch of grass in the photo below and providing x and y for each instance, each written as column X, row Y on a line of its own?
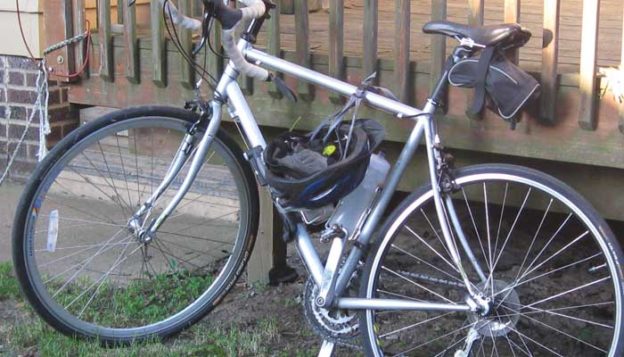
column 32, row 336
column 8, row 283
column 39, row 339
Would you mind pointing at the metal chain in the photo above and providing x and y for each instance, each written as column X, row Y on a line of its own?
column 69, row 41
column 40, row 108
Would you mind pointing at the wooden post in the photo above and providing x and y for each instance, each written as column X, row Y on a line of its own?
column 80, row 26
column 402, row 49
column 587, row 80
column 261, row 260
column 550, row 59
column 59, row 26
column 336, row 43
column 274, row 44
column 107, row 71
column 302, row 37
column 438, row 48
column 187, row 72
column 621, row 111
column 512, row 15
column 132, row 46
column 159, row 53
column 370, row 37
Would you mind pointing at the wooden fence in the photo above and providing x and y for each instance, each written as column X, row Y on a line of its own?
column 134, row 62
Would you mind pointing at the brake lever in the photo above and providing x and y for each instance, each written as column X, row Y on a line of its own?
column 131, row 2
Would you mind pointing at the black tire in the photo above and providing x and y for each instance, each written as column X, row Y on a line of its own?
column 565, row 295
column 175, row 285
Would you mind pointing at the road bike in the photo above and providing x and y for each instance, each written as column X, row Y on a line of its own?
column 137, row 224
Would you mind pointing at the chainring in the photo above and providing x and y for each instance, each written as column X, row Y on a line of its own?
column 336, row 325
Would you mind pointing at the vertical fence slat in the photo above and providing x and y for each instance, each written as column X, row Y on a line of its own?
column 80, row 26
column 370, row 37
column 550, row 58
column 621, row 110
column 187, row 78
column 512, row 15
column 475, row 18
column 402, row 49
column 121, row 11
column 132, row 46
column 587, row 80
column 274, row 43
column 302, row 38
column 245, row 83
column 215, row 63
column 336, row 42
column 438, row 46
column 106, row 45
column 159, row 55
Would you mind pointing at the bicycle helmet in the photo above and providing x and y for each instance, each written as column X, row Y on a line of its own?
column 319, row 168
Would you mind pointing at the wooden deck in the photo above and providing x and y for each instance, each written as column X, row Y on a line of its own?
column 609, row 34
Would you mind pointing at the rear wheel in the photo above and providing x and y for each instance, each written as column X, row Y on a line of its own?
column 87, row 273
column 551, row 268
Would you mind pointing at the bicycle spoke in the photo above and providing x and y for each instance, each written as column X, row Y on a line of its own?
column 509, row 234
column 435, row 232
column 402, row 329
column 565, row 334
column 431, row 248
column 426, row 263
column 580, row 287
column 418, row 285
column 436, row 339
column 474, row 224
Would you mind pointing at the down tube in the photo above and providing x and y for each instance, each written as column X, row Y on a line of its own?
column 393, row 181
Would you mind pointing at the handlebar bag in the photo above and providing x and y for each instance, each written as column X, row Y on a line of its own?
column 508, row 87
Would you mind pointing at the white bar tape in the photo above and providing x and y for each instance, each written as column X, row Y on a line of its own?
column 254, row 9
column 178, row 19
column 237, row 58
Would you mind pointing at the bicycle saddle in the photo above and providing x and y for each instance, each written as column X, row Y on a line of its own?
column 491, row 35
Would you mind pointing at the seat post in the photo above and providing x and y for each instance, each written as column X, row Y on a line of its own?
column 459, row 53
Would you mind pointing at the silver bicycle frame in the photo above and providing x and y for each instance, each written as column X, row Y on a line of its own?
column 332, row 282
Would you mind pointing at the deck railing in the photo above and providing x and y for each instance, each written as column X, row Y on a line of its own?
column 73, row 14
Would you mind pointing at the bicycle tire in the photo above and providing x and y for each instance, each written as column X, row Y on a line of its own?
column 560, row 296
column 176, row 285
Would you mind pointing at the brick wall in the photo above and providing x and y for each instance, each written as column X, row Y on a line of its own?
column 17, row 95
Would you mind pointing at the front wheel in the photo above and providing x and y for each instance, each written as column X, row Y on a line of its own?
column 87, row 271
column 551, row 270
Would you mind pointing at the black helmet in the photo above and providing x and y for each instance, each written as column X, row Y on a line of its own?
column 319, row 168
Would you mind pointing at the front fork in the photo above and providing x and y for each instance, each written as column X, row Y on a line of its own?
column 185, row 151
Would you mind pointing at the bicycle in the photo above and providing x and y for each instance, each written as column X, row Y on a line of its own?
column 104, row 250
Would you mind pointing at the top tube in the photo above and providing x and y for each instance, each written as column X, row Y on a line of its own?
column 277, row 64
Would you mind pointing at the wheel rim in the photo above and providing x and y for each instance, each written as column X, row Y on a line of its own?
column 542, row 306
column 95, row 276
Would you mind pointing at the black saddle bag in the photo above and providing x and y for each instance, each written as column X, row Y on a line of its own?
column 495, row 77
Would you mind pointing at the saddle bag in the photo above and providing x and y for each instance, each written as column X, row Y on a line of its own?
column 496, row 78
